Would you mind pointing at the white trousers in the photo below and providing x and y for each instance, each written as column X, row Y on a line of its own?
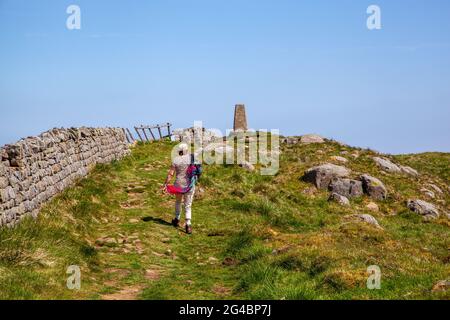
column 187, row 199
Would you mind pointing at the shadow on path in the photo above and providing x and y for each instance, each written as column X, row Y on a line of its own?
column 156, row 220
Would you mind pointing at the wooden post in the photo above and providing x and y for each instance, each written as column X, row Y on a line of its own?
column 126, row 135
column 168, row 130
column 145, row 134
column 159, row 130
column 151, row 133
column 137, row 131
column 131, row 136
column 153, row 136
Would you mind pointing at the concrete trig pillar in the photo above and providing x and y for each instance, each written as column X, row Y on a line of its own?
column 240, row 118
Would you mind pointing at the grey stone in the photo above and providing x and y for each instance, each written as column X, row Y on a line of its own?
column 435, row 188
column 290, row 140
column 248, row 166
column 372, row 206
column 387, row 165
column 428, row 193
column 373, row 187
column 346, row 187
column 366, row 218
column 321, row 176
column 441, row 286
column 191, row 135
column 4, row 182
column 7, row 194
column 410, row 171
column 343, row 201
column 339, row 159
column 311, row 138
column 423, row 208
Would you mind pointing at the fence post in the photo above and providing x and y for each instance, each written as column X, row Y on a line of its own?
column 151, row 132
column 145, row 134
column 137, row 131
column 126, row 136
column 168, row 130
column 131, row 136
column 159, row 130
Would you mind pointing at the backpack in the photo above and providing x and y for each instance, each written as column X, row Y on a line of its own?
column 195, row 170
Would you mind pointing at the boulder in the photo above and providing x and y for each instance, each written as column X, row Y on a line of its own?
column 290, row 140
column 248, row 166
column 346, row 187
column 435, row 188
column 197, row 134
column 423, row 208
column 428, row 193
column 410, row 171
column 339, row 159
column 322, row 175
column 311, row 138
column 372, row 206
column 373, row 187
column 387, row 165
column 366, row 218
column 441, row 286
column 343, row 201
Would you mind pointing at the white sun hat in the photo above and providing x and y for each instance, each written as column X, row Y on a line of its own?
column 183, row 147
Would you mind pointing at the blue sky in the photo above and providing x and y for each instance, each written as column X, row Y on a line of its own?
column 299, row 66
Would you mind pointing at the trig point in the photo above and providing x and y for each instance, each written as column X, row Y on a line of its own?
column 240, row 119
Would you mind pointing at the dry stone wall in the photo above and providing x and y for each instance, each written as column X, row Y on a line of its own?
column 35, row 169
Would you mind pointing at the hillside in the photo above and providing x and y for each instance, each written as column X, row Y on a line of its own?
column 255, row 237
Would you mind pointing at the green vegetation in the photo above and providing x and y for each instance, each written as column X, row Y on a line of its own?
column 255, row 237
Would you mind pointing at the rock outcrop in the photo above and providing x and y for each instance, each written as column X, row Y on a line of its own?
column 387, row 165
column 305, row 139
column 346, row 187
column 366, row 218
column 427, row 210
column 248, row 166
column 343, row 201
column 339, row 159
column 410, row 171
column 311, row 138
column 201, row 136
column 441, row 286
column 321, row 176
column 373, row 187
column 372, row 206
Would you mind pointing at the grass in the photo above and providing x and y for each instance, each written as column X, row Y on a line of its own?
column 255, row 237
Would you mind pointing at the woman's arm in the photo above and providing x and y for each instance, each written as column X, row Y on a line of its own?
column 170, row 175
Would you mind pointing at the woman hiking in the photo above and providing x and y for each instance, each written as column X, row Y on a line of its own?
column 187, row 174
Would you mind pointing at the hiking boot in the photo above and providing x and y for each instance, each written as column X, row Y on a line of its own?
column 176, row 223
column 188, row 229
